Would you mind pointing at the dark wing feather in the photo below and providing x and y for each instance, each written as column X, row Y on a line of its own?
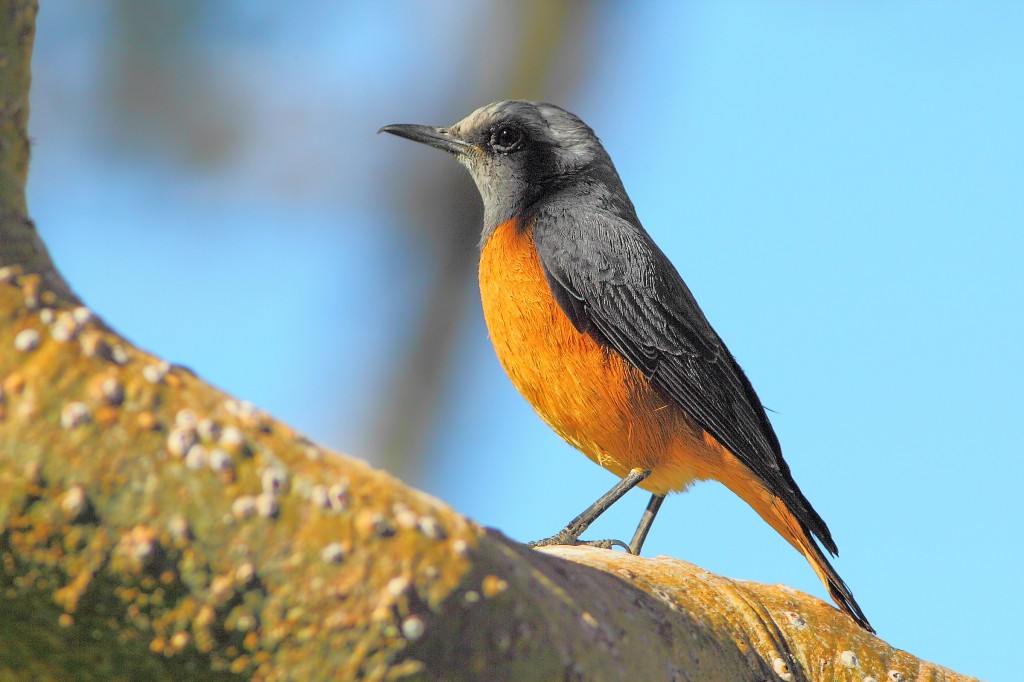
column 612, row 281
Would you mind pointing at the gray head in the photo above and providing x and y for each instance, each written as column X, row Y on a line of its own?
column 522, row 152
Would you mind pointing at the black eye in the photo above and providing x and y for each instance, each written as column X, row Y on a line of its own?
column 506, row 138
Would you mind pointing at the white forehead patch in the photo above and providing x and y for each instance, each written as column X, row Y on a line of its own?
column 477, row 119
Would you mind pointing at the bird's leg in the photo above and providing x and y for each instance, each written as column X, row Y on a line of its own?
column 570, row 534
column 646, row 521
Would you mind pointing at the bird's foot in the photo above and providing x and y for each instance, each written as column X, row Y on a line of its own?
column 566, row 539
column 563, row 538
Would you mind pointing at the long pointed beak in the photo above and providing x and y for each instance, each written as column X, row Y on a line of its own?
column 435, row 137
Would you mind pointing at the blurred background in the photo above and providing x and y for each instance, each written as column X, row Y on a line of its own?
column 840, row 184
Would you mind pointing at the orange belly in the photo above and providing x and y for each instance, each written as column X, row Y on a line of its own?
column 591, row 396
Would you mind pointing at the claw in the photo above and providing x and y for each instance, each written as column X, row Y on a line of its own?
column 606, row 544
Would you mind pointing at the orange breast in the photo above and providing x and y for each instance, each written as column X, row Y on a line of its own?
column 589, row 395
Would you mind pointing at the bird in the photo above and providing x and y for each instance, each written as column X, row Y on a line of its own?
column 596, row 328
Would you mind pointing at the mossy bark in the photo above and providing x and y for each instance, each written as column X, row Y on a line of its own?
column 152, row 527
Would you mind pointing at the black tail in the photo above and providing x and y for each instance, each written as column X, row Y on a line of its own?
column 837, row 589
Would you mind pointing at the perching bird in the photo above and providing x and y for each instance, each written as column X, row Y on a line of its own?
column 600, row 334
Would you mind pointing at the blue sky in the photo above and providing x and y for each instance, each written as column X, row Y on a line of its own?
column 840, row 184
